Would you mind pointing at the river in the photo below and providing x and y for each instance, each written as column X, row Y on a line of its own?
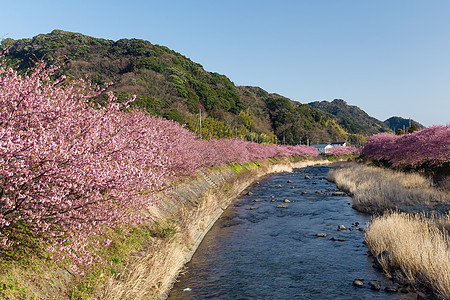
column 258, row 251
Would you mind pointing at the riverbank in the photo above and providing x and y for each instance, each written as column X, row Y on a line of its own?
column 188, row 214
column 143, row 261
column 375, row 189
column 409, row 234
column 279, row 240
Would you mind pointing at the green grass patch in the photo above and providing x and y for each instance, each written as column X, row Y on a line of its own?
column 116, row 255
column 28, row 264
column 164, row 229
column 242, row 167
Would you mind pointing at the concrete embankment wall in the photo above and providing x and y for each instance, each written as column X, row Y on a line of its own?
column 194, row 208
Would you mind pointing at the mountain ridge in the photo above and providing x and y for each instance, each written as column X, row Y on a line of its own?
column 396, row 122
column 168, row 84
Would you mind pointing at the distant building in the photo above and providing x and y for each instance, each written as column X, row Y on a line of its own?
column 343, row 144
column 322, row 148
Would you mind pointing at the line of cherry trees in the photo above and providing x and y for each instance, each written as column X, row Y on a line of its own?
column 69, row 168
column 343, row 150
column 429, row 147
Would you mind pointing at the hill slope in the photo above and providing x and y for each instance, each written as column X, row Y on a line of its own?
column 395, row 123
column 351, row 118
column 170, row 85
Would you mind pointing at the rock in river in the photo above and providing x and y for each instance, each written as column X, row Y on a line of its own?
column 358, row 283
column 374, row 285
column 338, row 194
column 391, row 289
column 282, row 206
column 386, row 257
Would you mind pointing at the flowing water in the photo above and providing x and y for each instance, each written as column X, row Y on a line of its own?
column 258, row 251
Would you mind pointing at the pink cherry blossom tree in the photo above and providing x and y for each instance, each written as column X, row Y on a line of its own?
column 427, row 147
column 69, row 168
column 343, row 150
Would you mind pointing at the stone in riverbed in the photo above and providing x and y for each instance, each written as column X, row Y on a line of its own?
column 338, row 194
column 321, row 234
column 374, row 285
column 341, row 227
column 249, row 193
column 286, row 201
column 358, row 283
column 391, row 289
column 257, row 200
column 307, row 177
column 282, row 206
column 385, row 256
column 279, row 186
column 289, row 181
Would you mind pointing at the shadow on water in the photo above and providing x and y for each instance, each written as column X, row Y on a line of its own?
column 258, row 251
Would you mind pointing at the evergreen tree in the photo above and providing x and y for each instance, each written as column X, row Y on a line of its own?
column 399, row 131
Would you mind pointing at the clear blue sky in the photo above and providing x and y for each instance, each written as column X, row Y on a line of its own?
column 389, row 57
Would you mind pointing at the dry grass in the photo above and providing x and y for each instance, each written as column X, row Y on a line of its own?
column 151, row 272
column 418, row 240
column 145, row 276
column 375, row 189
column 142, row 263
column 421, row 249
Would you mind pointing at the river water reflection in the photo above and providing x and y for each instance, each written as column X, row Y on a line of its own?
column 258, row 251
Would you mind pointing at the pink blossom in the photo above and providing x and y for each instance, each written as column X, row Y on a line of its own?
column 69, row 169
column 343, row 150
column 429, row 146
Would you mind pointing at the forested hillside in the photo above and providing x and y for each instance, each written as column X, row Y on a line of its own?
column 170, row 85
column 350, row 117
column 395, row 123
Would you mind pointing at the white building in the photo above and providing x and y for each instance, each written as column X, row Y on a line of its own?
column 322, row 147
column 343, row 144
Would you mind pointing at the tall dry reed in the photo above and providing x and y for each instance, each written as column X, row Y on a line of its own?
column 420, row 248
column 375, row 189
